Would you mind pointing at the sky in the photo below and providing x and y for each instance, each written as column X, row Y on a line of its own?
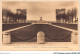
column 37, row 9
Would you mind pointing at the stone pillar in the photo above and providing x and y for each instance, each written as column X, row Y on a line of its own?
column 40, row 37
column 74, row 38
column 6, row 37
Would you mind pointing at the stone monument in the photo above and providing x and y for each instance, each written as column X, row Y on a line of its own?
column 74, row 39
column 40, row 37
column 6, row 37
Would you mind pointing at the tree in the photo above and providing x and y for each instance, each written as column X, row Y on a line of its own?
column 6, row 12
column 69, row 16
column 72, row 14
column 23, row 14
column 75, row 13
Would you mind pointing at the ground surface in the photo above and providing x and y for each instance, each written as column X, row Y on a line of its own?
column 33, row 46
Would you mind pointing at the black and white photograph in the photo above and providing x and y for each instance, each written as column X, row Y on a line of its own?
column 40, row 25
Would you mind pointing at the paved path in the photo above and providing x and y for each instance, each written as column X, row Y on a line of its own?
column 33, row 46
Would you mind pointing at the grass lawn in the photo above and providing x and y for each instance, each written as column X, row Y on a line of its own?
column 71, row 26
column 11, row 26
column 52, row 34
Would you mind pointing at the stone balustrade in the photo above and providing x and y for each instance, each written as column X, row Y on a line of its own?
column 74, row 34
column 6, row 36
column 40, row 35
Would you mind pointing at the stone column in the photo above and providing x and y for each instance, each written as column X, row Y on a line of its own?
column 40, row 37
column 74, row 38
column 6, row 37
